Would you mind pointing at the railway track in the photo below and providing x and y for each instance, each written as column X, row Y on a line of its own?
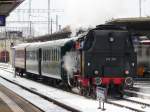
column 130, row 104
column 32, row 90
column 121, row 103
column 137, row 94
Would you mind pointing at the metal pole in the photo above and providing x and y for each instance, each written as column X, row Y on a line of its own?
column 140, row 8
column 59, row 26
column 49, row 13
column 51, row 25
column 30, row 18
column 5, row 45
column 56, row 23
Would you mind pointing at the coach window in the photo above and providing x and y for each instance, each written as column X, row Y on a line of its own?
column 44, row 55
column 148, row 51
column 37, row 54
column 140, row 51
column 34, row 55
column 54, row 54
column 47, row 54
column 30, row 55
column 57, row 54
column 50, row 54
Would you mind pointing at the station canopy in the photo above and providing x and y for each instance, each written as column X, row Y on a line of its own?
column 139, row 25
column 6, row 6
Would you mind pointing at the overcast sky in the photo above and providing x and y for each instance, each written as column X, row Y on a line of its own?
column 91, row 12
column 94, row 11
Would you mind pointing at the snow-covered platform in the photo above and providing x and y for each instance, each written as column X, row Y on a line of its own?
column 75, row 101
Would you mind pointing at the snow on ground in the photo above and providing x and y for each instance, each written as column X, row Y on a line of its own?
column 146, row 101
column 76, row 101
column 32, row 98
column 137, row 106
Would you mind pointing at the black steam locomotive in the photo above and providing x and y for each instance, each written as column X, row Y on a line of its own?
column 103, row 56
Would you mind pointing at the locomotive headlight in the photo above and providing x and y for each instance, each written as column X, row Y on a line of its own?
column 96, row 72
column 126, row 72
column 133, row 64
column 111, row 39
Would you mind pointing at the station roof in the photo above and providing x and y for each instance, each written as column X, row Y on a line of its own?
column 48, row 37
column 140, row 25
column 6, row 6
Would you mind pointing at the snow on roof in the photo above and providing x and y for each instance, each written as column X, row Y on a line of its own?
column 35, row 45
column 60, row 42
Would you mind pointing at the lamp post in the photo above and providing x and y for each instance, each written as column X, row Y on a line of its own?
column 30, row 18
column 140, row 8
column 49, row 13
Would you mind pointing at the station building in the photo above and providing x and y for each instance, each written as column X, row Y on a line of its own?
column 6, row 40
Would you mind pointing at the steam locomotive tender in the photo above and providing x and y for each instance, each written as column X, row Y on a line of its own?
column 104, row 56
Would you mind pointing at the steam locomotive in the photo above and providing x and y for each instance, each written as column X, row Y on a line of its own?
column 103, row 56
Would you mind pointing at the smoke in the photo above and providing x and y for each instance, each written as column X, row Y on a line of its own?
column 87, row 13
column 70, row 63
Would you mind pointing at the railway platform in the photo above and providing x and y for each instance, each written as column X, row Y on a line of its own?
column 11, row 102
